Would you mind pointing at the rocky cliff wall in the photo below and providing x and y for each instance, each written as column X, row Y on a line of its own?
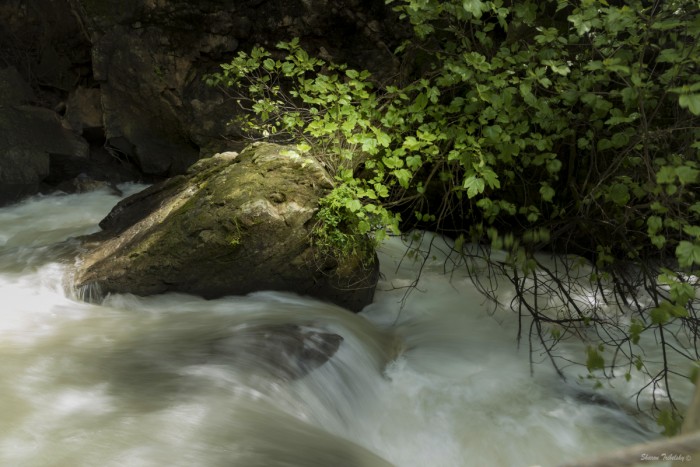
column 125, row 76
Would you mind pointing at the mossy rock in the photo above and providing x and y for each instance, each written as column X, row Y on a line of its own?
column 233, row 224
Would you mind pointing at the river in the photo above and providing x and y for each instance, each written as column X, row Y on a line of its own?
column 134, row 381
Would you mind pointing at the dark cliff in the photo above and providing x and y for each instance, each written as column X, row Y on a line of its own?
column 125, row 78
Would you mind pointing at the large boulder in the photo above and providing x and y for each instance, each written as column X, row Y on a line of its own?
column 233, row 224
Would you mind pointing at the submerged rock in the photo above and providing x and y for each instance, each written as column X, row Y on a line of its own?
column 233, row 224
column 288, row 351
column 161, row 355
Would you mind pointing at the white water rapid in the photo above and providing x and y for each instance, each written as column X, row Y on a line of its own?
column 164, row 381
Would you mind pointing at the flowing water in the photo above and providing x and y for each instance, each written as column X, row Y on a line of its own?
column 434, row 378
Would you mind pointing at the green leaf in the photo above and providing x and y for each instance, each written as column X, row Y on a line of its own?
column 288, row 68
column 635, row 331
column 475, row 7
column 474, row 185
column 682, row 293
column 670, row 420
column 619, row 194
column 392, row 161
column 678, row 311
column 353, row 205
column 459, row 243
column 659, row 241
column 619, row 140
column 411, row 143
column 559, row 68
column 420, row 103
column 383, row 139
column 528, row 96
column 594, row 360
column 692, row 230
column 369, row 144
column 547, row 192
column 366, row 193
column 403, row 176
column 654, row 224
column 691, row 102
column 363, row 227
column 660, row 314
column 269, row 64
column 666, row 174
column 553, row 166
column 593, row 65
column 381, row 190
column 555, row 333
column 349, row 125
column 414, row 162
column 687, row 174
column 688, row 253
column 491, row 178
column 426, row 136
column 303, row 147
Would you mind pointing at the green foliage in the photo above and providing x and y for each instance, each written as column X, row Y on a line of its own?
column 570, row 126
column 594, row 359
column 567, row 111
column 670, row 421
column 333, row 114
column 343, row 223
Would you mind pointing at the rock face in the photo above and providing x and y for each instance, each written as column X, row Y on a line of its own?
column 30, row 137
column 44, row 55
column 149, row 58
column 126, row 76
column 233, row 224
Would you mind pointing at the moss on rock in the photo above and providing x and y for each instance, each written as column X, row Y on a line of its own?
column 233, row 224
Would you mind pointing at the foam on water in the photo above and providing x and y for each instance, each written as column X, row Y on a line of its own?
column 433, row 379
